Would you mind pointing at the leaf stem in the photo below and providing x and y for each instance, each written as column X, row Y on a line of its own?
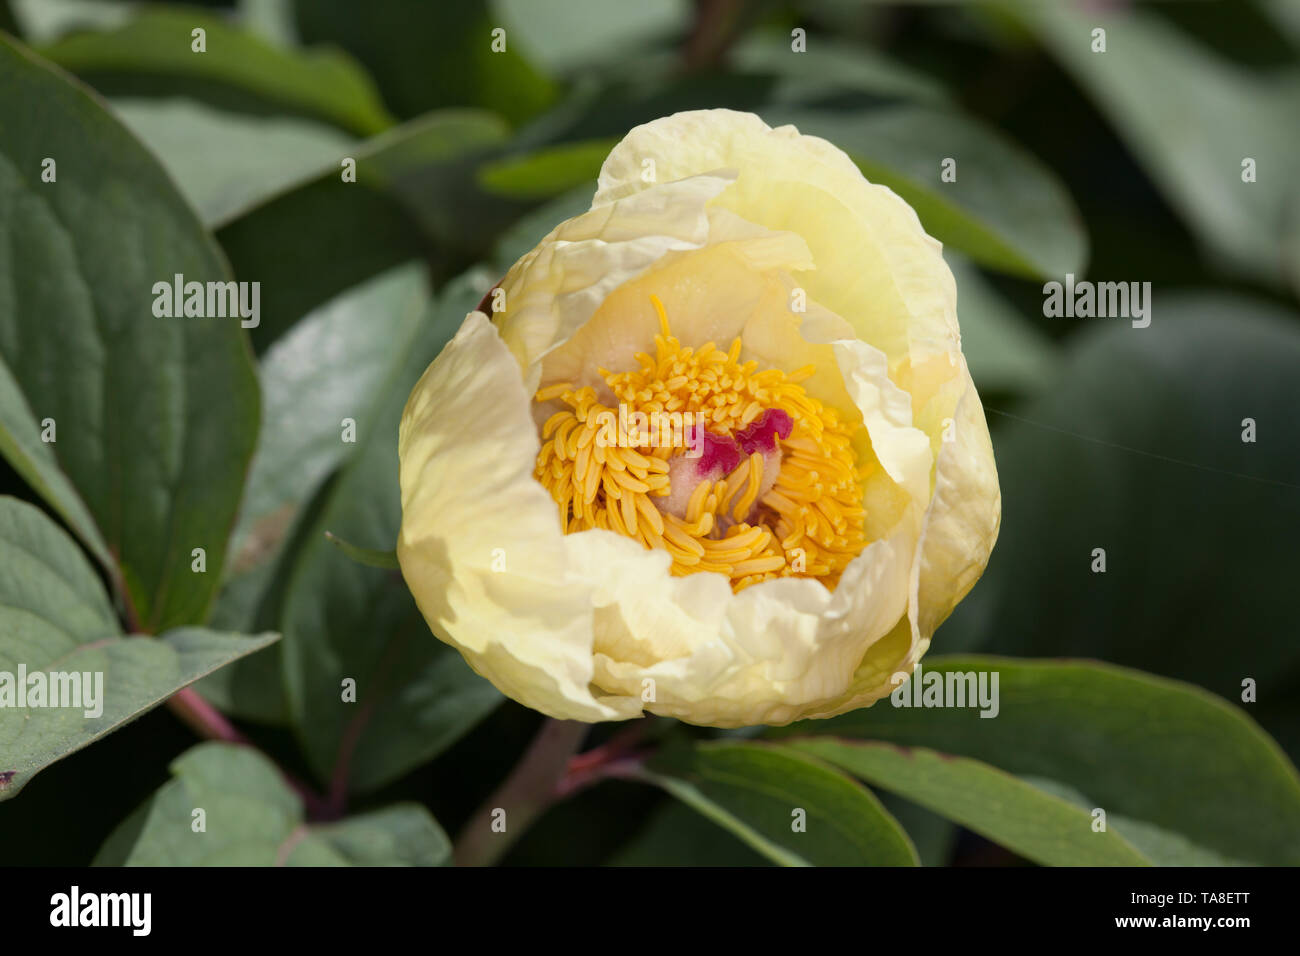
column 614, row 758
column 548, row 772
column 524, row 795
column 202, row 718
column 210, row 724
column 715, row 27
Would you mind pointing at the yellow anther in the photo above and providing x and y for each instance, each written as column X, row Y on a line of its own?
column 742, row 526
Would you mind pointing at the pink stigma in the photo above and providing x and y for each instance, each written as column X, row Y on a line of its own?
column 721, row 454
column 762, row 432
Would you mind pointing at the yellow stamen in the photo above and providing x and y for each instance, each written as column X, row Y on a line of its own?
column 809, row 521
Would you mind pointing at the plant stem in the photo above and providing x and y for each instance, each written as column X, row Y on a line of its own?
column 202, row 718
column 716, row 24
column 524, row 795
column 210, row 724
column 614, row 758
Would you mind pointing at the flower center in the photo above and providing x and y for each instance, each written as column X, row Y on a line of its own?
column 725, row 467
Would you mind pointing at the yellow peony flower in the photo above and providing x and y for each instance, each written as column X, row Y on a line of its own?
column 824, row 497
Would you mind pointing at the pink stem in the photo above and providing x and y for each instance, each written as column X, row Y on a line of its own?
column 209, row 723
column 523, row 797
column 204, row 719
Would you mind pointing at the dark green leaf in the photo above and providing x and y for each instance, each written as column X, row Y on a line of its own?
column 414, row 694
column 35, row 462
column 1037, row 825
column 1005, row 210
column 428, row 56
column 1161, row 847
column 1144, row 748
column 56, row 622
column 757, row 793
column 934, row 837
column 828, row 67
column 401, row 835
column 370, row 557
column 1137, row 449
column 156, row 417
column 679, row 836
column 225, row 162
column 570, row 35
column 332, row 366
column 152, row 54
column 250, row 817
column 1005, row 352
column 546, row 172
column 1191, row 118
column 139, row 674
column 413, row 191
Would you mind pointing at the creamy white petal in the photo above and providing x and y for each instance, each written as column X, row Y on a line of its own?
column 963, row 517
column 875, row 264
column 480, row 543
column 768, row 654
column 557, row 287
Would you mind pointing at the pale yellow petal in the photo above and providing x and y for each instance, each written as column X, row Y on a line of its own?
column 480, row 543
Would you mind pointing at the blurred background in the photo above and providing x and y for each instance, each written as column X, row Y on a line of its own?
column 1171, row 157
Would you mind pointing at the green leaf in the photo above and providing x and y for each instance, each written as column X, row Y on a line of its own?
column 225, row 162
column 251, row 688
column 7, row 22
column 830, row 67
column 755, row 791
column 679, row 836
column 252, row 818
column 533, row 227
column 573, row 35
column 934, row 837
column 1159, row 846
column 156, row 417
column 1037, row 825
column 139, row 673
column 400, row 835
column 406, row 43
column 1005, row 352
column 35, row 462
column 414, row 694
column 546, row 172
column 332, row 366
column 1006, row 210
column 1286, row 15
column 1137, row 449
column 47, row 581
column 56, row 621
column 1144, row 748
column 413, row 195
column 152, row 54
column 1164, row 94
column 370, row 557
